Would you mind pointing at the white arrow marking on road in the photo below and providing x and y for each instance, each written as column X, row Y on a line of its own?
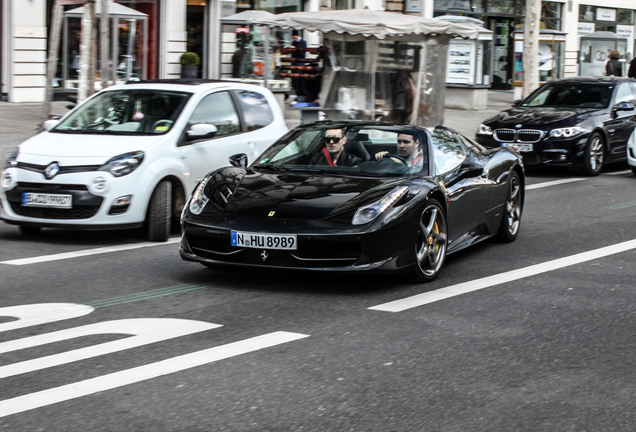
column 141, row 373
column 144, row 330
column 498, row 279
column 36, row 314
column 87, row 252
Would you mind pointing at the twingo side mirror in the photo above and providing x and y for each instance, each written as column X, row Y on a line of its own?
column 623, row 106
column 50, row 124
column 201, row 131
column 239, row 160
column 517, row 102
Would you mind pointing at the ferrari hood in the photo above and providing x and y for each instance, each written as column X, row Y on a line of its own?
column 536, row 116
column 303, row 195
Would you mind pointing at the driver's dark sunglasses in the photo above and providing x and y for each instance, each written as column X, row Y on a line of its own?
column 404, row 141
column 332, row 139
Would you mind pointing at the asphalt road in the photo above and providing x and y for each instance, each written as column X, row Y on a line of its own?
column 536, row 335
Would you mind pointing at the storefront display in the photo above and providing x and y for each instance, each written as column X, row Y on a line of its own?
column 551, row 56
column 595, row 50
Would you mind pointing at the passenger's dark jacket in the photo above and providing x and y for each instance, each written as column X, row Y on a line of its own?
column 345, row 159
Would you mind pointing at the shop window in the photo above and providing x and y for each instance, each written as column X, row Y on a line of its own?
column 625, row 16
column 551, row 15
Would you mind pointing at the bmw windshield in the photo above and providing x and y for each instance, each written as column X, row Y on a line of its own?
column 377, row 151
column 571, row 95
column 126, row 112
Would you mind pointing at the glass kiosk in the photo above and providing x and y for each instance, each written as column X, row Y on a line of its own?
column 469, row 70
column 595, row 50
column 551, row 58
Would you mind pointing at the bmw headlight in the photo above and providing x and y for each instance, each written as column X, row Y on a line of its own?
column 199, row 199
column 567, row 132
column 10, row 160
column 484, row 130
column 123, row 164
column 369, row 212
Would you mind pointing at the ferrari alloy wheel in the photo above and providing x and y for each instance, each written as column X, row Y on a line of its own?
column 513, row 205
column 594, row 155
column 431, row 242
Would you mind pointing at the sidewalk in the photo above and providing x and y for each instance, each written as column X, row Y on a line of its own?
column 18, row 121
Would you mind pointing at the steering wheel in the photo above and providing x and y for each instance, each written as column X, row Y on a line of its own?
column 166, row 123
column 398, row 157
column 100, row 121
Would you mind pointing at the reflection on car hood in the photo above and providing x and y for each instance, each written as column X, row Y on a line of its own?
column 537, row 116
column 304, row 195
column 99, row 147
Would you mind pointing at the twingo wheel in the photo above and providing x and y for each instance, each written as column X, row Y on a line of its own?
column 431, row 242
column 159, row 212
column 594, row 155
column 513, row 207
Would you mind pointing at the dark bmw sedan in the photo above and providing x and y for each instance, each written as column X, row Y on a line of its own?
column 582, row 122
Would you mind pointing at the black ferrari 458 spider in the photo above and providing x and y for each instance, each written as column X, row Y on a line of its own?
column 348, row 196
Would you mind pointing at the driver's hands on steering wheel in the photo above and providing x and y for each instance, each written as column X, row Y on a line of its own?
column 380, row 155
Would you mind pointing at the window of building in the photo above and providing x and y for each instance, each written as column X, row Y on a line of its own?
column 625, row 16
column 343, row 4
column 551, row 15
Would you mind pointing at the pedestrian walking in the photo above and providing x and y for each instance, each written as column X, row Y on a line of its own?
column 613, row 66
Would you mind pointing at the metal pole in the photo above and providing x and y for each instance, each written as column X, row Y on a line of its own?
column 531, row 30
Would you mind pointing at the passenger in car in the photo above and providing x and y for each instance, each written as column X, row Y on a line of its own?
column 409, row 148
column 333, row 152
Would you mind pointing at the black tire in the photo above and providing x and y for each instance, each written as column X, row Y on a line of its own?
column 431, row 242
column 594, row 155
column 513, row 207
column 159, row 212
column 29, row 230
column 633, row 170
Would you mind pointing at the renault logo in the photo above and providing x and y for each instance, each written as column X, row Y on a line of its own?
column 51, row 170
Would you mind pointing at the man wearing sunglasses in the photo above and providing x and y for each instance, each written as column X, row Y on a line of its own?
column 333, row 152
column 408, row 147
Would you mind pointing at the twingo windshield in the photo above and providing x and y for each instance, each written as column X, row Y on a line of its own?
column 572, row 94
column 368, row 150
column 126, row 112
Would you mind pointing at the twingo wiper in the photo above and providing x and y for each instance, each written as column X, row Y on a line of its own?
column 95, row 132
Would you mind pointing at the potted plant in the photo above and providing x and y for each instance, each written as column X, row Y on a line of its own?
column 189, row 65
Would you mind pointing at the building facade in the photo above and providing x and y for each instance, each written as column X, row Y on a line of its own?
column 176, row 26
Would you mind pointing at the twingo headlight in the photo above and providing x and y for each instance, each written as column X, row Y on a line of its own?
column 199, row 199
column 484, row 130
column 567, row 132
column 123, row 164
column 10, row 160
column 369, row 212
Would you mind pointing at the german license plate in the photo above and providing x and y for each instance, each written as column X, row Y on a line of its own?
column 47, row 200
column 264, row 241
column 520, row 147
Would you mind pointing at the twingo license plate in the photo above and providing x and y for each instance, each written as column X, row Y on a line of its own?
column 520, row 147
column 264, row 241
column 47, row 200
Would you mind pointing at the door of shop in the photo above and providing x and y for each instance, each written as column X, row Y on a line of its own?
column 196, row 24
column 503, row 52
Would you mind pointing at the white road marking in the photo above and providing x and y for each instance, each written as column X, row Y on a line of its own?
column 141, row 373
column 553, row 183
column 501, row 278
column 620, row 172
column 36, row 314
column 88, row 252
column 144, row 331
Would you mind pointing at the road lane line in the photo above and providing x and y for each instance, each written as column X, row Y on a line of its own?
column 553, row 183
column 619, row 172
column 87, row 252
column 501, row 278
column 142, row 373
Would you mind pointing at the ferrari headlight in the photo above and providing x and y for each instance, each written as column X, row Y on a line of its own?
column 484, row 130
column 123, row 164
column 567, row 132
column 10, row 160
column 369, row 212
column 198, row 200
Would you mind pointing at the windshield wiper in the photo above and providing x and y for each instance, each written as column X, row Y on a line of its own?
column 94, row 132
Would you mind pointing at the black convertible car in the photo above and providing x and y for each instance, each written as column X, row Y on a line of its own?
column 581, row 122
column 379, row 205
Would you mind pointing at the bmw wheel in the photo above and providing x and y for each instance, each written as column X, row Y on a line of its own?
column 513, row 206
column 159, row 212
column 594, row 155
column 431, row 242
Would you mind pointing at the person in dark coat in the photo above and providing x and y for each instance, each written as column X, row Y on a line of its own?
column 631, row 73
column 299, row 84
column 613, row 66
column 333, row 152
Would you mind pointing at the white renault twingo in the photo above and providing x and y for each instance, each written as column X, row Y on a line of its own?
column 131, row 154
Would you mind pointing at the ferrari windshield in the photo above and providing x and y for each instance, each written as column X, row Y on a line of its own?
column 571, row 94
column 126, row 112
column 350, row 149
